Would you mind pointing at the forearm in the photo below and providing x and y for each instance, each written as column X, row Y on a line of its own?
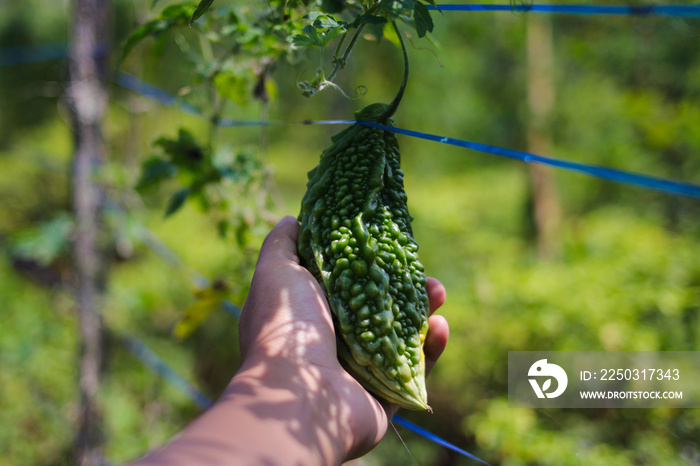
column 270, row 414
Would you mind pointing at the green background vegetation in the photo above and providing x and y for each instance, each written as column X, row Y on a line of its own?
column 625, row 274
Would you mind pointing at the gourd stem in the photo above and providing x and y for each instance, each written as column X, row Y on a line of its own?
column 395, row 103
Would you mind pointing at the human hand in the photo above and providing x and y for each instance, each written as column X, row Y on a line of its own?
column 290, row 403
column 287, row 340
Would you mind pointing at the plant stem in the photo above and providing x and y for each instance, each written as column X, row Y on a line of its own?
column 341, row 63
column 395, row 103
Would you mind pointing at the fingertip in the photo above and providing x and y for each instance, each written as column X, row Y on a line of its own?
column 436, row 293
column 436, row 340
column 282, row 239
column 289, row 224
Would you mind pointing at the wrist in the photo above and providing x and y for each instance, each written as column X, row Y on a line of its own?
column 300, row 404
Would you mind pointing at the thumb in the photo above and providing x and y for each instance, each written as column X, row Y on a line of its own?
column 280, row 245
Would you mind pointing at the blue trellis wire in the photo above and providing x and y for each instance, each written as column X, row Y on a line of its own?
column 157, row 94
column 48, row 52
column 429, row 435
column 610, row 174
column 23, row 54
column 157, row 365
column 151, row 360
column 689, row 11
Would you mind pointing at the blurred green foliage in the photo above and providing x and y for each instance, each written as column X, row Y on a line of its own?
column 627, row 275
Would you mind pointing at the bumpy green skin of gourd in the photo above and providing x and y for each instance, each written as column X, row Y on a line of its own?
column 356, row 239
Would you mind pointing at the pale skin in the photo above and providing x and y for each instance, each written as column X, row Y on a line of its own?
column 290, row 403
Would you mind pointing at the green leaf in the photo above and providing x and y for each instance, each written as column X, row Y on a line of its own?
column 422, row 19
column 176, row 201
column 170, row 17
column 223, row 226
column 300, row 40
column 312, row 33
column 432, row 3
column 154, row 171
column 242, row 234
column 330, row 34
column 376, row 31
column 134, row 38
column 201, row 8
column 310, row 37
column 397, row 8
column 207, row 300
column 43, row 242
column 313, row 15
column 325, row 21
column 371, row 19
column 234, row 85
column 184, row 151
column 333, row 6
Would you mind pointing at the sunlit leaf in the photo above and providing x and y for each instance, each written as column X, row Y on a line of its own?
column 234, row 86
column 390, row 34
column 301, row 40
column 312, row 16
column 207, row 300
column 325, row 22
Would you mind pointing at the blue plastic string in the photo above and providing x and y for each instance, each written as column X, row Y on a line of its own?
column 140, row 86
column 434, row 438
column 146, row 89
column 152, row 361
column 629, row 10
column 167, row 373
column 24, row 54
column 612, row 174
column 10, row 56
column 20, row 55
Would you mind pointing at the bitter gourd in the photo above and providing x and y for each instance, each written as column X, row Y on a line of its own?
column 356, row 239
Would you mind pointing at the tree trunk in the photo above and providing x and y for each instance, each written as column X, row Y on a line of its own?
column 87, row 99
column 545, row 208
